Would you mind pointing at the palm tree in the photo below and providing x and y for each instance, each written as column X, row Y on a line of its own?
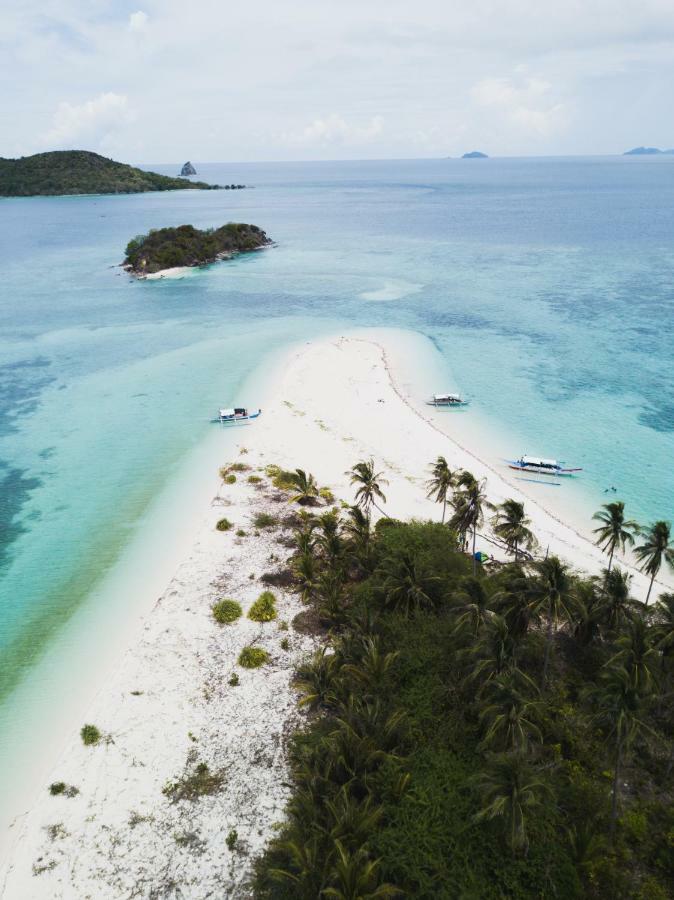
column 305, row 487
column 492, row 653
column 588, row 612
column 664, row 626
column 369, row 485
column 355, row 876
column 510, row 788
column 618, row 604
column 655, row 550
column 358, row 530
column 473, row 609
column 509, row 719
column 618, row 704
column 470, row 503
column 440, row 483
column 406, row 587
column 615, row 531
column 373, row 666
column 638, row 656
column 317, row 679
column 329, row 540
column 511, row 525
column 514, row 604
column 304, row 569
column 552, row 598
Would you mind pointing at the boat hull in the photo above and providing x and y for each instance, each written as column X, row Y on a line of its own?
column 235, row 420
column 455, row 405
column 541, row 470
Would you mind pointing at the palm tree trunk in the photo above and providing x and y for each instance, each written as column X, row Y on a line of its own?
column 474, row 560
column 616, row 789
column 515, row 551
column 548, row 645
column 610, row 561
column 650, row 588
column 444, row 510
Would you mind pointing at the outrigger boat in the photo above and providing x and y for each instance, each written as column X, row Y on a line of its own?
column 447, row 400
column 540, row 466
column 238, row 414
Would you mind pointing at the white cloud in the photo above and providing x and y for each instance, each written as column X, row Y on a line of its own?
column 333, row 129
column 91, row 123
column 524, row 102
column 138, row 21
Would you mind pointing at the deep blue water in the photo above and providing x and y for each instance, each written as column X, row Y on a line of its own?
column 547, row 284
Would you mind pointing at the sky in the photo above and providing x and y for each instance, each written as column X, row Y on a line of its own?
column 213, row 80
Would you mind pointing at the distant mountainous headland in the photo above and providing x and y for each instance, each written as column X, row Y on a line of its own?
column 82, row 172
column 188, row 169
column 170, row 248
column 648, row 151
column 475, row 154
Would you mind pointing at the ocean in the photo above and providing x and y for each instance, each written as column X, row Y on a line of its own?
column 546, row 286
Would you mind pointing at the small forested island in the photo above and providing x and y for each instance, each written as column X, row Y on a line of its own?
column 188, row 169
column 648, row 151
column 475, row 154
column 82, row 172
column 168, row 248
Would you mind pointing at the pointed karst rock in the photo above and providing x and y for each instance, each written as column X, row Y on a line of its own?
column 188, row 169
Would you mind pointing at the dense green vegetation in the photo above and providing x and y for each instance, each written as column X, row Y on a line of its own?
column 503, row 732
column 82, row 172
column 165, row 248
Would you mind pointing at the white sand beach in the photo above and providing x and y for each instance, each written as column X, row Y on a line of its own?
column 168, row 706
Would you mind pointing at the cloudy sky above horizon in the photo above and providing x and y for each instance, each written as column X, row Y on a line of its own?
column 166, row 81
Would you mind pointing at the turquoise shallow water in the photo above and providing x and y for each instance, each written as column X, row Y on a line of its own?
column 547, row 285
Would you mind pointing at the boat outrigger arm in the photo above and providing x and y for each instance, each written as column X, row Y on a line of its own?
column 238, row 414
column 541, row 466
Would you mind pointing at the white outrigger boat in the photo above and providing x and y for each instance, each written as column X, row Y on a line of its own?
column 539, row 466
column 238, row 414
column 447, row 400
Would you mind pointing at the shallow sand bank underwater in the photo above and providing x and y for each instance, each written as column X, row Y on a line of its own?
column 167, row 704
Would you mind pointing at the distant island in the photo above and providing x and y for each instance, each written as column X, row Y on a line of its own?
column 475, row 154
column 82, row 172
column 188, row 169
column 648, row 151
column 169, row 248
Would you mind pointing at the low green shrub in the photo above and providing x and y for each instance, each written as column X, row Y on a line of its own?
column 254, row 479
column 281, row 478
column 240, row 532
column 265, row 520
column 60, row 787
column 285, row 644
column 233, row 680
column 198, row 783
column 229, row 479
column 239, row 467
column 264, row 608
column 90, row 735
column 223, row 525
column 231, row 839
column 326, row 494
column 226, row 611
column 253, row 657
